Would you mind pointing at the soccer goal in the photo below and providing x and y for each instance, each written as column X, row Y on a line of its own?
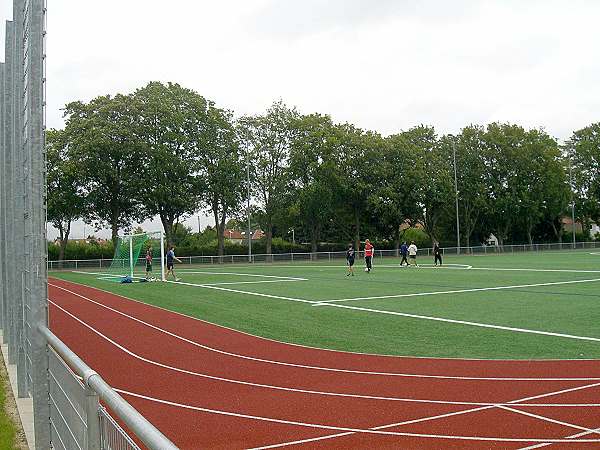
column 129, row 261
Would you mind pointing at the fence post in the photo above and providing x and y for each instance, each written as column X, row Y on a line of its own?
column 92, row 404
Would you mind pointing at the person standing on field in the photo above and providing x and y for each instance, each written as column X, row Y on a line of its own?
column 412, row 253
column 171, row 258
column 404, row 253
column 350, row 260
column 149, row 264
column 437, row 254
column 369, row 251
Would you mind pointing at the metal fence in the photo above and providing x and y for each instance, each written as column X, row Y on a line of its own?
column 78, row 420
column 86, row 264
column 66, row 394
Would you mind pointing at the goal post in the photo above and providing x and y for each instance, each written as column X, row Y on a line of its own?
column 129, row 259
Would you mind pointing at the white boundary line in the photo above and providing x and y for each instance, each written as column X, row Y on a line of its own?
column 547, row 419
column 378, row 431
column 303, row 366
column 305, row 391
column 568, row 437
column 421, row 294
column 243, row 275
column 464, row 322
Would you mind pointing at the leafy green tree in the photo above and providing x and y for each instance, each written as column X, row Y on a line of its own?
column 433, row 180
column 169, row 119
column 65, row 202
column 395, row 202
column 102, row 141
column 313, row 164
column 268, row 139
column 219, row 164
column 583, row 151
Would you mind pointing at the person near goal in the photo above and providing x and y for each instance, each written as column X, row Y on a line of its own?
column 369, row 251
column 149, row 264
column 171, row 258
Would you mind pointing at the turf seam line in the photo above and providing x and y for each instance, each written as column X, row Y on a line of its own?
column 302, row 366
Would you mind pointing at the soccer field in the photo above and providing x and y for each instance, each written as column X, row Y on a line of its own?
column 542, row 305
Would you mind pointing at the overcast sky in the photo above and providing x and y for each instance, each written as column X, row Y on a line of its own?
column 385, row 65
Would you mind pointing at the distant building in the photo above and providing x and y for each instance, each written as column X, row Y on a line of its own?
column 239, row 237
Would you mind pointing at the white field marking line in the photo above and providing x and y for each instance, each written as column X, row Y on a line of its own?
column 424, row 419
column 547, row 419
column 301, row 391
column 463, row 322
column 568, row 437
column 303, row 366
column 514, row 269
column 258, row 294
column 421, row 294
column 368, row 431
column 248, row 282
column 243, row 275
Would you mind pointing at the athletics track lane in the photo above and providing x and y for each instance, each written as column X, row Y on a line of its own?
column 189, row 428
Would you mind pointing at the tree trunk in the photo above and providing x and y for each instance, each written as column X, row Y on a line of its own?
column 114, row 233
column 357, row 224
column 557, row 232
column 222, row 234
column 64, row 240
column 313, row 243
column 269, row 241
column 168, row 227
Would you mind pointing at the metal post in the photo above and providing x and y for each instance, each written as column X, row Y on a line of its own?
column 92, row 405
column 162, row 257
column 248, row 210
column 131, row 263
column 572, row 203
column 456, row 200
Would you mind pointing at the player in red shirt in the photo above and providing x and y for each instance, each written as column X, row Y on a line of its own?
column 369, row 250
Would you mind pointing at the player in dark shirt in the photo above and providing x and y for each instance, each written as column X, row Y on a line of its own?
column 437, row 254
column 404, row 253
column 350, row 254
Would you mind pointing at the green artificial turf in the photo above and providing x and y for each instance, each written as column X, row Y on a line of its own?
column 572, row 309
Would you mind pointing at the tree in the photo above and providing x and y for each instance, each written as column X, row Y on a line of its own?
column 313, row 166
column 433, row 180
column 102, row 142
column 583, row 151
column 395, row 200
column 472, row 195
column 268, row 139
column 169, row 119
column 64, row 187
column 219, row 164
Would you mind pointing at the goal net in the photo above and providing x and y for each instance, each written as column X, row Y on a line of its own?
column 129, row 260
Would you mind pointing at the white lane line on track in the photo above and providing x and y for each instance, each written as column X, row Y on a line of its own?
column 546, row 444
column 546, row 419
column 300, row 391
column 421, row 294
column 463, row 322
column 378, row 431
column 424, row 419
column 303, row 366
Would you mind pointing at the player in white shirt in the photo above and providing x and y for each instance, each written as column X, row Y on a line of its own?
column 412, row 253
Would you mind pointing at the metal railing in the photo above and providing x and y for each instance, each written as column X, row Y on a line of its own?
column 77, row 420
column 329, row 256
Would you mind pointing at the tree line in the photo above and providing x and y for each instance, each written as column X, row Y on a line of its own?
column 166, row 151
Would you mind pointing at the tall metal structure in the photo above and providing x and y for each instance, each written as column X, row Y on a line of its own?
column 22, row 200
column 456, row 198
column 66, row 412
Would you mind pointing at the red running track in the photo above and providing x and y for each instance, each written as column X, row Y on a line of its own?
column 206, row 386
